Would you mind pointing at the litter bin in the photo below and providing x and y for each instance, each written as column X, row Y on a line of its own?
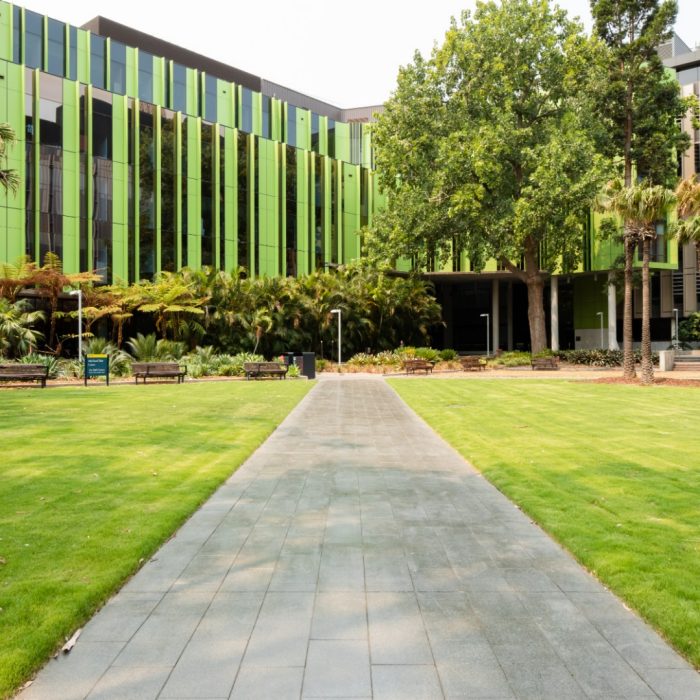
column 308, row 365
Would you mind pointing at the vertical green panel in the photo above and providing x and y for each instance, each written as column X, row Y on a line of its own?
column 158, row 145
column 230, row 199
column 265, row 170
column 326, row 209
column 108, row 62
column 178, row 191
column 342, row 141
column 132, row 72
column 224, row 103
column 276, row 119
column 367, row 145
column 303, row 129
column 120, row 188
column 192, row 92
column 83, row 56
column 71, row 177
column 303, row 173
column 159, row 77
column 351, row 213
column 216, row 189
column 12, row 205
column 194, row 193
column 36, row 163
column 135, row 252
column 6, row 47
column 89, row 184
column 252, row 194
column 281, row 238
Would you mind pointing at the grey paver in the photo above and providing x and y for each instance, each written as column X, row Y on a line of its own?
column 355, row 554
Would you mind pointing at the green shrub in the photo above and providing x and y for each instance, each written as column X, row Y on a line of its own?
column 34, row 358
column 293, row 371
column 429, row 354
column 689, row 328
column 448, row 354
column 599, row 358
column 514, row 358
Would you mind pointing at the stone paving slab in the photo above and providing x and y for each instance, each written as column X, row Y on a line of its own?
column 355, row 554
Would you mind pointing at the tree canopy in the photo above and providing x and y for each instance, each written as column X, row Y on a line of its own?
column 488, row 147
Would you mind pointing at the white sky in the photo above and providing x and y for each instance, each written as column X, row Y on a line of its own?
column 345, row 52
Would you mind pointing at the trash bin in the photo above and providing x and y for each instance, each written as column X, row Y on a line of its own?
column 308, row 365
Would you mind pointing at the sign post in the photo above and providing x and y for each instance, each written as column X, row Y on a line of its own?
column 96, row 366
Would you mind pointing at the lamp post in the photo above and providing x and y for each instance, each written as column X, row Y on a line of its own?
column 339, row 312
column 675, row 330
column 79, row 294
column 488, row 334
column 602, row 337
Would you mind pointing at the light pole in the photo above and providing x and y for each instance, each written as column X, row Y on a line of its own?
column 339, row 312
column 79, row 294
column 488, row 334
column 675, row 330
column 602, row 337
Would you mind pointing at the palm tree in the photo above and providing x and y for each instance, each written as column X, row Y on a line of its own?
column 17, row 337
column 640, row 206
column 8, row 178
column 687, row 229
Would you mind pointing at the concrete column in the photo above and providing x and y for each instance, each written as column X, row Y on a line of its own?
column 510, row 315
column 554, row 311
column 495, row 320
column 612, row 314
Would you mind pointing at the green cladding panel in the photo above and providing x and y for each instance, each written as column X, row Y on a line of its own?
column 303, row 211
column 225, row 103
column 83, row 56
column 132, row 72
column 160, row 74
column 230, row 160
column 275, row 119
column 268, row 249
column 194, row 189
column 120, row 187
column 342, row 141
column 6, row 46
column 192, row 100
column 71, row 176
column 303, row 127
column 351, row 212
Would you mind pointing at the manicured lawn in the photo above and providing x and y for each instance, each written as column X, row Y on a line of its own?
column 611, row 471
column 93, row 480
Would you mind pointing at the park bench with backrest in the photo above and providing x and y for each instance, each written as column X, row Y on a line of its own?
column 24, row 373
column 258, row 370
column 151, row 370
column 472, row 363
column 545, row 362
column 417, row 365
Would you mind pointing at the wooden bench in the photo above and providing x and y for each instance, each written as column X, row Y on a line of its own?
column 149, row 370
column 417, row 365
column 24, row 373
column 545, row 363
column 472, row 362
column 257, row 370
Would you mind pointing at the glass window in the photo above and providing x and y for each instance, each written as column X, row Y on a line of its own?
column 247, row 110
column 145, row 76
column 73, row 53
column 16, row 34
column 179, row 88
column 210, row 98
column 221, row 262
column 266, row 102
column 97, row 61
column 334, row 212
column 314, row 131
column 331, row 138
column 147, row 210
column 291, row 213
column 319, row 209
column 117, row 73
column 243, row 210
column 57, row 47
column 184, row 181
column 291, row 125
column 33, row 40
column 168, row 154
column 101, row 128
column 207, row 194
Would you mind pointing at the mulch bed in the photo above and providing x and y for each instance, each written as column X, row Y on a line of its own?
column 658, row 381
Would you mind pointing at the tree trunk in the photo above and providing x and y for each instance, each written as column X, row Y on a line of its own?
column 535, row 299
column 647, row 365
column 535, row 313
column 627, row 337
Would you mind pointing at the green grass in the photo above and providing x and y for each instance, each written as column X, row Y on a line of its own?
column 611, row 471
column 93, row 480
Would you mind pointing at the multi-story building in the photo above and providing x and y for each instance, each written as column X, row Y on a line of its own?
column 137, row 156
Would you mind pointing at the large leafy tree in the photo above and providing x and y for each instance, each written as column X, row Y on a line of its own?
column 488, row 147
column 641, row 107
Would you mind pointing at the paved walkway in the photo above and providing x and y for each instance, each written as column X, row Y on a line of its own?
column 356, row 555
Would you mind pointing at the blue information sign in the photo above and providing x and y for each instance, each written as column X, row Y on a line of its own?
column 96, row 366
